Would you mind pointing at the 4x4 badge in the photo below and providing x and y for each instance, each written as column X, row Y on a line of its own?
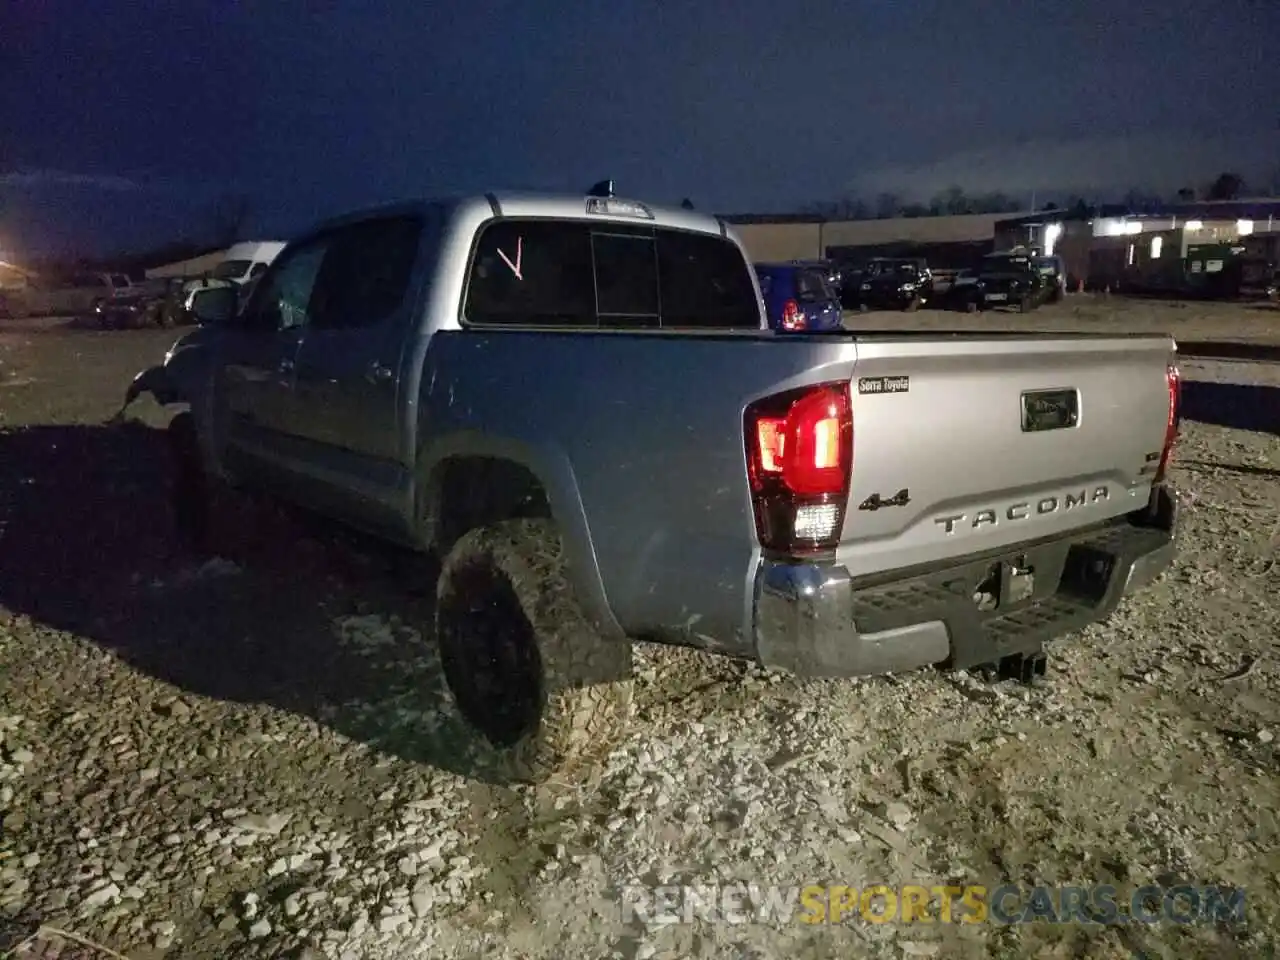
column 875, row 501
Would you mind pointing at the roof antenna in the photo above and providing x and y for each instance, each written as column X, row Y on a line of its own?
column 602, row 189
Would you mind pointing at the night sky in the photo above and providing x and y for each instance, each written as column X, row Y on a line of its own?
column 120, row 123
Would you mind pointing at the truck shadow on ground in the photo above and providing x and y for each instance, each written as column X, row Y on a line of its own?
column 1239, row 405
column 294, row 614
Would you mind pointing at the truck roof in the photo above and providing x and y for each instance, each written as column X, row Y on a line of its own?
column 565, row 206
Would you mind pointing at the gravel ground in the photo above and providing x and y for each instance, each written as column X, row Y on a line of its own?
column 256, row 758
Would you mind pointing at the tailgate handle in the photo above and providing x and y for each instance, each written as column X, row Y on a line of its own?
column 1050, row 409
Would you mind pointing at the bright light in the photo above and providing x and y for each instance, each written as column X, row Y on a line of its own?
column 1244, row 227
column 1132, row 226
column 1131, row 251
column 1157, row 244
column 1051, row 234
column 1195, row 224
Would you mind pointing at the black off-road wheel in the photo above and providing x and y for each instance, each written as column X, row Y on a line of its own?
column 547, row 694
column 1026, row 304
column 970, row 306
column 913, row 305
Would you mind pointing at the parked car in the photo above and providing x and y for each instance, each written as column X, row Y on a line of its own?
column 888, row 283
column 536, row 390
column 1054, row 271
column 962, row 292
column 75, row 296
column 141, row 305
column 799, row 296
column 1012, row 280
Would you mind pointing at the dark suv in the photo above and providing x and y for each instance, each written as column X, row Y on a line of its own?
column 1012, row 280
column 888, row 284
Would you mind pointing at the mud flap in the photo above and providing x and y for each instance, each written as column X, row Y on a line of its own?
column 153, row 380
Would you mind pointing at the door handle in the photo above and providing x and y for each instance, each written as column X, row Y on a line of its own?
column 378, row 372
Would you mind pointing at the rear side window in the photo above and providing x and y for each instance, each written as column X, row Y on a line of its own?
column 532, row 273
column 580, row 274
column 704, row 282
column 365, row 273
column 812, row 287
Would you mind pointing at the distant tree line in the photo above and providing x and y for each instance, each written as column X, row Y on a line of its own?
column 955, row 201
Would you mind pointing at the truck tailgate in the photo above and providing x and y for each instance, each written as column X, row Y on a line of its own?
column 981, row 434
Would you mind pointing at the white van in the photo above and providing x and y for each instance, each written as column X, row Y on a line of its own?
column 243, row 262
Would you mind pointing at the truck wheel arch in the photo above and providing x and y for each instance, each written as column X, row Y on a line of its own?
column 476, row 480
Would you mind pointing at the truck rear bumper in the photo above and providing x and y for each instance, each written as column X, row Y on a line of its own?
column 814, row 620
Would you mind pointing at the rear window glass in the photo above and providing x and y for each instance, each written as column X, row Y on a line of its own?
column 812, row 286
column 583, row 274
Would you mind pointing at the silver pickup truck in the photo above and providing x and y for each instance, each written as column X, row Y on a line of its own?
column 575, row 405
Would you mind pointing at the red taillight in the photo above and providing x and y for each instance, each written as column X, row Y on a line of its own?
column 792, row 318
column 1173, row 380
column 800, row 464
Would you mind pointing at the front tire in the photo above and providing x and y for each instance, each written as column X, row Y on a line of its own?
column 527, row 668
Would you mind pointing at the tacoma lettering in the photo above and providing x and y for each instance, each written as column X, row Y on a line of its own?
column 993, row 516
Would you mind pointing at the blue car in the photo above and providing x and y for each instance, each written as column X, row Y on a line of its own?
column 799, row 295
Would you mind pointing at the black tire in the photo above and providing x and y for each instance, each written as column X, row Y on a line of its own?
column 912, row 305
column 190, row 496
column 864, row 308
column 1026, row 304
column 971, row 306
column 528, row 670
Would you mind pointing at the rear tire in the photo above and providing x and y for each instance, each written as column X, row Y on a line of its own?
column 528, row 670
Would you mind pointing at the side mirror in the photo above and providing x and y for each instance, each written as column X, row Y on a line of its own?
column 214, row 304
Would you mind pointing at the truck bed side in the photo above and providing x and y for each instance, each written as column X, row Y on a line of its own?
column 638, row 441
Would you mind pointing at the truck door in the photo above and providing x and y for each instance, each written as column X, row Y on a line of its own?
column 350, row 370
column 257, row 362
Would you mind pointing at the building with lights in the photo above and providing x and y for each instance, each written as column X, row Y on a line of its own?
column 1209, row 246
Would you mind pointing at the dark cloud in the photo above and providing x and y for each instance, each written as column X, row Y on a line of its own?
column 314, row 108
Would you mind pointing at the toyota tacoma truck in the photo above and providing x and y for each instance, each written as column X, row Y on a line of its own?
column 576, row 405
